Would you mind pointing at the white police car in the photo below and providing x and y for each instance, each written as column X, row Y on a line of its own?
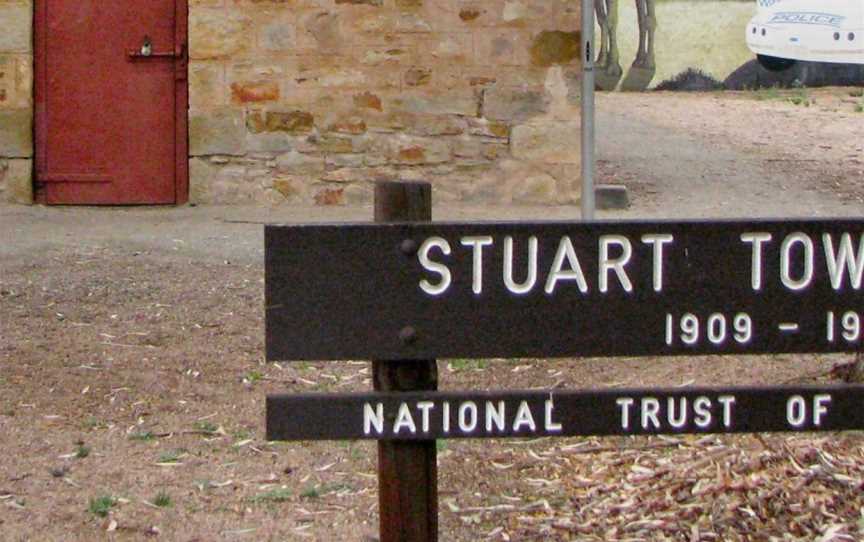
column 784, row 31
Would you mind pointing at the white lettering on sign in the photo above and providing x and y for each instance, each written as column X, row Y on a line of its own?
column 678, row 420
column 657, row 240
column 796, row 410
column 727, row 401
column 467, row 417
column 373, row 418
column 702, row 409
column 678, row 414
column 477, row 244
column 524, row 417
column 614, row 253
column 789, row 243
column 757, row 239
column 625, row 403
column 495, row 415
column 531, row 279
column 404, row 420
column 608, row 264
column 568, row 253
column 841, row 260
column 844, row 260
column 470, row 417
column 425, row 407
column 438, row 268
column 548, row 424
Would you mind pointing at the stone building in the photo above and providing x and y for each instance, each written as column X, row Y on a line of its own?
column 310, row 101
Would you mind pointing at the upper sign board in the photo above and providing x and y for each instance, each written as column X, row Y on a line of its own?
column 554, row 289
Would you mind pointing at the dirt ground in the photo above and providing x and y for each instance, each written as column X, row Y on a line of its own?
column 132, row 378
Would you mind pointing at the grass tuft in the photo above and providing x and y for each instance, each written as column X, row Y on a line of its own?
column 163, row 500
column 275, row 495
column 206, row 427
column 100, row 506
column 172, row 456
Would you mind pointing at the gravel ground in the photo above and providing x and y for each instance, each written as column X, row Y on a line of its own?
column 132, row 376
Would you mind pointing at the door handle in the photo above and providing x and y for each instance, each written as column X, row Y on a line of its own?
column 146, row 51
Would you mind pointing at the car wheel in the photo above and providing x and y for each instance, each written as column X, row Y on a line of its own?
column 774, row 63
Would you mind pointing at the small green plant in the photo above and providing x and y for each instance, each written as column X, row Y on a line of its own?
column 440, row 445
column 100, row 506
column 92, row 422
column 857, row 93
column 172, row 456
column 771, row 93
column 241, row 434
column 162, row 500
column 311, row 492
column 82, row 451
column 204, row 485
column 143, row 436
column 274, row 495
column 206, row 427
column 801, row 97
column 253, row 376
column 859, row 108
column 316, row 492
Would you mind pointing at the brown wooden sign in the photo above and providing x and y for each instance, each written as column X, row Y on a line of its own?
column 552, row 289
column 446, row 415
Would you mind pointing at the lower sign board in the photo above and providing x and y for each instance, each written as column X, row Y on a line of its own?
column 554, row 289
column 436, row 415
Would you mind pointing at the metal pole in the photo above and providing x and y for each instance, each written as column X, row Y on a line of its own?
column 588, row 204
column 407, row 471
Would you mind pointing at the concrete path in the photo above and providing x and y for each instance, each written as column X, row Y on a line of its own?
column 698, row 177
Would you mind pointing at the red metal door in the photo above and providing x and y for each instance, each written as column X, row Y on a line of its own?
column 111, row 102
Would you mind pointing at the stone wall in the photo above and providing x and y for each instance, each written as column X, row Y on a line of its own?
column 310, row 101
column 16, row 100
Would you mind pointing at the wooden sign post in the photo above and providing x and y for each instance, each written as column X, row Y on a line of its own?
column 407, row 471
column 405, row 291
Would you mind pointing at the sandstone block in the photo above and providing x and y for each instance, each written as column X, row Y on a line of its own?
column 445, row 103
column 16, row 78
column 16, row 181
column 206, row 85
column 201, row 174
column 217, row 33
column 217, row 132
column 516, row 104
column 278, row 35
column 330, row 195
column 270, row 142
column 551, row 142
column 295, row 163
column 254, row 91
column 16, row 133
column 291, row 188
column 555, row 47
column 359, row 194
column 535, row 190
column 16, row 23
column 436, row 125
column 291, row 122
column 325, row 29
